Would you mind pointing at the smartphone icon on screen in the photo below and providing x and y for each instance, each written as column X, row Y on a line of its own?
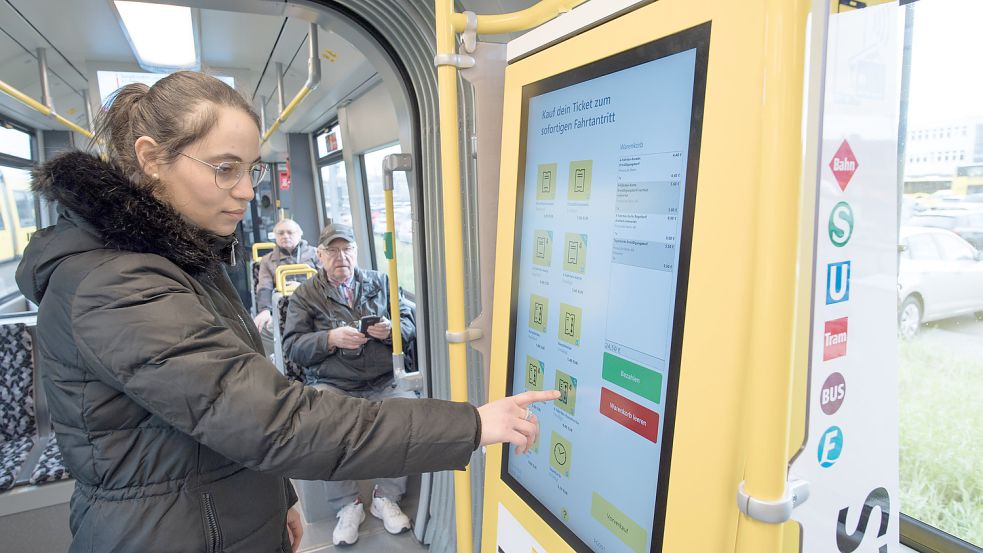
column 547, row 182
column 541, row 247
column 537, row 313
column 533, row 374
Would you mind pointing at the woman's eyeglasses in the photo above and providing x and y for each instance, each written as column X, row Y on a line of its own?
column 228, row 173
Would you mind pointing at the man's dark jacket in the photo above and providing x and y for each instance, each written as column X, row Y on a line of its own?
column 316, row 307
column 179, row 432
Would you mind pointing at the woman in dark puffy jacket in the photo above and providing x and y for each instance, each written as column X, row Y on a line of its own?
column 180, row 433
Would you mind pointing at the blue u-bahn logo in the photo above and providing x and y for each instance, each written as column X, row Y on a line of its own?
column 830, row 446
column 837, row 282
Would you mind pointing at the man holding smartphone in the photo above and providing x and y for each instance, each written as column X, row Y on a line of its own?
column 338, row 328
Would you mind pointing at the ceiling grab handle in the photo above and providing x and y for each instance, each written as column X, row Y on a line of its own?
column 402, row 380
column 44, row 107
column 313, row 79
column 447, row 23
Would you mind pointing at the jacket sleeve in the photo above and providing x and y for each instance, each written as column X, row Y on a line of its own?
column 302, row 342
column 141, row 329
column 264, row 285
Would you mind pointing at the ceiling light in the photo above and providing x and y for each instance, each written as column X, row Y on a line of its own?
column 162, row 36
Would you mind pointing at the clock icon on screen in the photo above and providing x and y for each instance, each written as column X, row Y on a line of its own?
column 560, row 454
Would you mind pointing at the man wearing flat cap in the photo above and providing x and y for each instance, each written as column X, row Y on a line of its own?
column 322, row 335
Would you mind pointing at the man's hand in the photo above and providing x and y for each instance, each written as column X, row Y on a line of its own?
column 263, row 319
column 381, row 330
column 346, row 337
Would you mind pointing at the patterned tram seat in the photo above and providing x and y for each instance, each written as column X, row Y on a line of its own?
column 51, row 467
column 18, row 425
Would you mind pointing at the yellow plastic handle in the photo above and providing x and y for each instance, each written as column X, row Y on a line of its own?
column 284, row 271
column 262, row 246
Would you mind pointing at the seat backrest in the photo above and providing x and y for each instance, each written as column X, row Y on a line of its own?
column 291, row 370
column 16, row 382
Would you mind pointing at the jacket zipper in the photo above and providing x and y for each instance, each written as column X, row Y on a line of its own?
column 214, row 533
column 232, row 251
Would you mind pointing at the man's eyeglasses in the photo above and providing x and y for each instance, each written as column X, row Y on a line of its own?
column 228, row 173
column 335, row 252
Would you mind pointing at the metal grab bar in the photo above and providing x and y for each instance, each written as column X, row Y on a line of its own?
column 42, row 109
column 284, row 271
column 261, row 246
column 313, row 79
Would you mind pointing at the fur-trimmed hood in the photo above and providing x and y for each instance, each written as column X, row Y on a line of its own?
column 100, row 208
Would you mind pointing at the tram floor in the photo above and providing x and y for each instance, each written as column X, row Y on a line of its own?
column 372, row 536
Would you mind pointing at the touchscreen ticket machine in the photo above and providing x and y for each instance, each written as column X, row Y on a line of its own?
column 645, row 262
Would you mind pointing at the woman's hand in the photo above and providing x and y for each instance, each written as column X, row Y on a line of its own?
column 295, row 529
column 510, row 420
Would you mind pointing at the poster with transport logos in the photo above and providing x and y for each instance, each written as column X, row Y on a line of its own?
column 850, row 456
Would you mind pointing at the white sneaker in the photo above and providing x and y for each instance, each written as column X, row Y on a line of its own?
column 392, row 516
column 350, row 517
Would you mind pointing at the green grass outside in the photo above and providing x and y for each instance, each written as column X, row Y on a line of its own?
column 941, row 438
column 404, row 262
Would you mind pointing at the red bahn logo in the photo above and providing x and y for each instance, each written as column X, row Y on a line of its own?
column 834, row 339
column 844, row 165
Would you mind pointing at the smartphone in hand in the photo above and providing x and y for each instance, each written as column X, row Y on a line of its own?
column 365, row 322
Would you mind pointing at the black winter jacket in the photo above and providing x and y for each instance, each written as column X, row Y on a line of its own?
column 316, row 307
column 178, row 430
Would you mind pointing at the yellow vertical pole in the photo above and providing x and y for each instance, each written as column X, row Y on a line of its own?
column 767, row 417
column 453, row 249
column 397, row 330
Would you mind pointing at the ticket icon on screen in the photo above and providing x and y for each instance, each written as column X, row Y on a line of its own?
column 578, row 188
column 546, row 182
column 538, row 312
column 542, row 252
column 575, row 252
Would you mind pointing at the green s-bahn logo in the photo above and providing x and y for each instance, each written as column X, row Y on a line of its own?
column 841, row 224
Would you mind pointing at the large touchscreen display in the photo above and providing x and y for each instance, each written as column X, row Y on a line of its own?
column 607, row 180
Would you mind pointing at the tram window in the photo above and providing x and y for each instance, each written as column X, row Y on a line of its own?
column 403, row 216
column 24, row 201
column 941, row 366
column 15, row 142
column 334, row 186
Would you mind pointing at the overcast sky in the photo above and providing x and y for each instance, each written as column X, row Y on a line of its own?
column 947, row 61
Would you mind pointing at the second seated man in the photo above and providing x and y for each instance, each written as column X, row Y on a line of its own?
column 337, row 357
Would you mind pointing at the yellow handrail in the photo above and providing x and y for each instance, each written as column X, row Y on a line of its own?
column 447, row 23
column 42, row 109
column 261, row 246
column 521, row 20
column 301, row 94
column 397, row 330
column 767, row 419
column 284, row 271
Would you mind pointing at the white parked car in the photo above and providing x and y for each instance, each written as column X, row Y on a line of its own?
column 940, row 275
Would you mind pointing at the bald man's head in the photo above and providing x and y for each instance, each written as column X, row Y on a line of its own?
column 288, row 234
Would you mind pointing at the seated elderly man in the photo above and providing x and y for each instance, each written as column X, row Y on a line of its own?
column 338, row 358
column 290, row 249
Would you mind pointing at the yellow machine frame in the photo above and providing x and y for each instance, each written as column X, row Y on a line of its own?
column 744, row 332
